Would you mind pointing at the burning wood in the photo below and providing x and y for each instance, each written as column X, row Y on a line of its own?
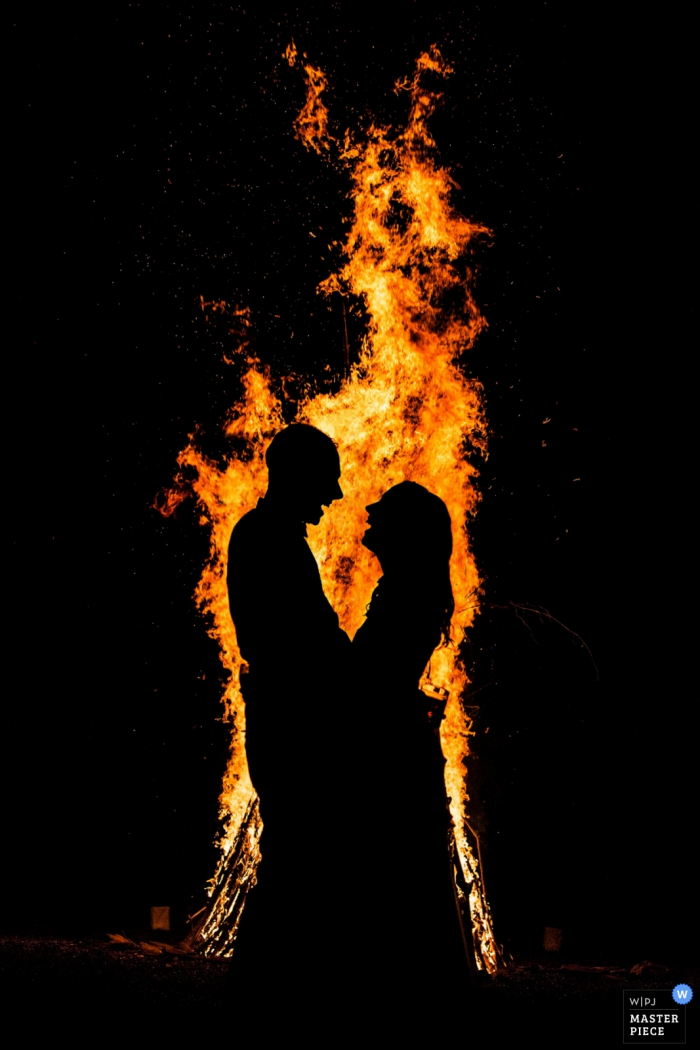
column 215, row 932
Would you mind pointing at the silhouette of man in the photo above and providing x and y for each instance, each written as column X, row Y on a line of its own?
column 290, row 638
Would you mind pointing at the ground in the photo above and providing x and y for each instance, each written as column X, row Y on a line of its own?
column 90, row 985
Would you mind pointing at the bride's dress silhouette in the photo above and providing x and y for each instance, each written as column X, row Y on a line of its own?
column 413, row 951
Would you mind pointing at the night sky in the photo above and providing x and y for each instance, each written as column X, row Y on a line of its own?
column 154, row 163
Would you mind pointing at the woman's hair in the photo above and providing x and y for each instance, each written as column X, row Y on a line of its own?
column 421, row 531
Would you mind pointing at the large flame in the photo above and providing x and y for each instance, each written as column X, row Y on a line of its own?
column 405, row 412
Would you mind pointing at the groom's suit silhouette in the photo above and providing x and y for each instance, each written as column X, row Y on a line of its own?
column 289, row 637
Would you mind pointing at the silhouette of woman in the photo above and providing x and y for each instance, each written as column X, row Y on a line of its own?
column 414, row 952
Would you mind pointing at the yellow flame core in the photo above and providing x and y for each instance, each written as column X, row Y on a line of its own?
column 406, row 412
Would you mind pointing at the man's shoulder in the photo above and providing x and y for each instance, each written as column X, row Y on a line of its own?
column 248, row 530
column 250, row 522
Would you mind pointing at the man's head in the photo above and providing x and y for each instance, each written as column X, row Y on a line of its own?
column 304, row 470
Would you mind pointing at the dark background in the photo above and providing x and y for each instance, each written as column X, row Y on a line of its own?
column 155, row 162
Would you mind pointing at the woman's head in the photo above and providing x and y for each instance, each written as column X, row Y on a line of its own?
column 410, row 532
column 409, row 526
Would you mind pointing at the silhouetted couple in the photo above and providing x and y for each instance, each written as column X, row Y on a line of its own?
column 354, row 897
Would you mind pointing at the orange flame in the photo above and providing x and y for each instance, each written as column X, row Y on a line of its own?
column 312, row 123
column 406, row 412
column 168, row 500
